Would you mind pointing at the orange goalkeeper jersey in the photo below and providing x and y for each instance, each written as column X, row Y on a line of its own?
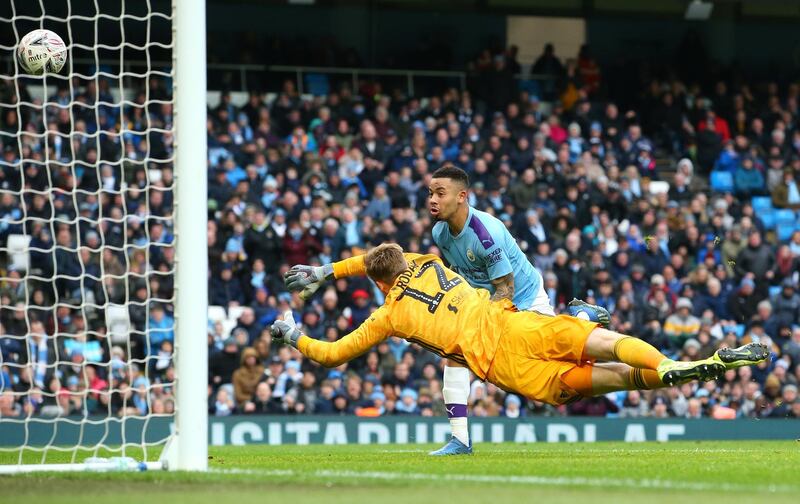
column 429, row 305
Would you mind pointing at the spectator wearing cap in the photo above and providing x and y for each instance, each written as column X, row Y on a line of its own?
column 691, row 349
column 335, row 378
column 681, row 325
column 361, row 309
column 513, row 407
column 407, row 405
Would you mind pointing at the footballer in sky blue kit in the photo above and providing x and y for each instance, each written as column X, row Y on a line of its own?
column 483, row 251
column 478, row 246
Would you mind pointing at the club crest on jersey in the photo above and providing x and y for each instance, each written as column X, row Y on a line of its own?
column 470, row 255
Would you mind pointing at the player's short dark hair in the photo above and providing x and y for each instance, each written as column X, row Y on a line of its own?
column 452, row 172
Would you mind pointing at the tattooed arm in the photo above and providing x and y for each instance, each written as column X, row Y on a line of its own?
column 504, row 287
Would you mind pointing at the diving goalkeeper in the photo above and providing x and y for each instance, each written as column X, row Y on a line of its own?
column 544, row 358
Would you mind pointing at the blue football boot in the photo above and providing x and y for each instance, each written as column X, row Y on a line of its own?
column 453, row 447
column 592, row 313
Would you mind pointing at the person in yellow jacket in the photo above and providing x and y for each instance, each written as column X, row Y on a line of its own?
column 544, row 358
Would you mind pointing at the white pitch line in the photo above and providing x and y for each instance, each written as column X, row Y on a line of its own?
column 627, row 451
column 627, row 483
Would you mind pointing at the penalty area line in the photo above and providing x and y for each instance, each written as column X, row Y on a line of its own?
column 565, row 481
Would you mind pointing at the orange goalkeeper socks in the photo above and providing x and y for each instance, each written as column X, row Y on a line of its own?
column 637, row 353
column 644, row 379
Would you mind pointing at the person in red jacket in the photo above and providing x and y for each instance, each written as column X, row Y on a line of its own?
column 720, row 125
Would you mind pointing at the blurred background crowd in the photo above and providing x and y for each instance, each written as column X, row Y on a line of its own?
column 679, row 215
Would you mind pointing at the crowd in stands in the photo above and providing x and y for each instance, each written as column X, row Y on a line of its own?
column 679, row 217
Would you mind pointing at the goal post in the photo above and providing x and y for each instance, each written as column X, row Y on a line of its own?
column 189, row 22
column 103, row 245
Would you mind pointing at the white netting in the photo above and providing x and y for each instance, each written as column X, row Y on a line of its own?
column 86, row 232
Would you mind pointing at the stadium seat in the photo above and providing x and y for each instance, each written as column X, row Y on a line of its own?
column 721, row 182
column 118, row 324
column 531, row 86
column 761, row 203
column 227, row 327
column 317, row 84
column 659, row 187
column 767, row 217
column 18, row 251
column 216, row 313
column 234, row 312
column 785, row 223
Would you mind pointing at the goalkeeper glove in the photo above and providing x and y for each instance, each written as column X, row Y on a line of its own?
column 286, row 331
column 307, row 279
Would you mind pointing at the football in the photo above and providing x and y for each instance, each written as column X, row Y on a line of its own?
column 41, row 51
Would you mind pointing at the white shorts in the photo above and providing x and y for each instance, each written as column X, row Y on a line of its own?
column 542, row 304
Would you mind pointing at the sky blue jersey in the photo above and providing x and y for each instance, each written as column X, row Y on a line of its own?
column 484, row 251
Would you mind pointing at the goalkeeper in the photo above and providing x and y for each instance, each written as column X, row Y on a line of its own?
column 544, row 358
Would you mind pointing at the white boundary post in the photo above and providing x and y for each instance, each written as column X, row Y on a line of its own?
column 191, row 351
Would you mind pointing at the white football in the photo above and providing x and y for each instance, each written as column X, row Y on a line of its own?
column 41, row 51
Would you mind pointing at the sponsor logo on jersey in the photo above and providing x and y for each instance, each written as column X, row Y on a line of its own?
column 494, row 257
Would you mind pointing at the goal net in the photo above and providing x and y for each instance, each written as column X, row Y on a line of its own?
column 92, row 268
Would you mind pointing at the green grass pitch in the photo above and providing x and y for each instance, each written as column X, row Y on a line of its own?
column 672, row 472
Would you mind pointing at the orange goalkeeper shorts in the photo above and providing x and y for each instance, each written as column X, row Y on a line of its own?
column 536, row 351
